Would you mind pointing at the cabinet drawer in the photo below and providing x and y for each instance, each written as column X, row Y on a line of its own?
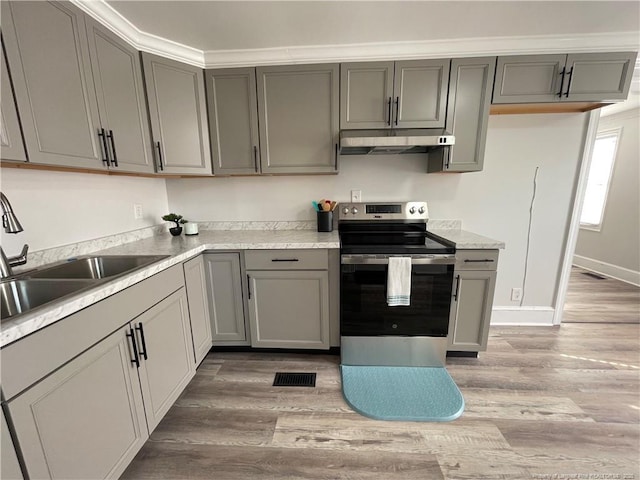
column 286, row 259
column 476, row 260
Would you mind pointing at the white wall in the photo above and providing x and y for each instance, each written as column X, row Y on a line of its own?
column 618, row 242
column 494, row 202
column 59, row 208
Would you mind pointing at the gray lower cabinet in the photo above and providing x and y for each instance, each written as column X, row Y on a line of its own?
column 9, row 464
column 178, row 114
column 233, row 120
column 560, row 78
column 288, row 298
column 298, row 112
column 87, row 419
column 11, row 144
column 474, row 288
column 197, row 294
column 167, row 364
column 403, row 94
column 225, row 293
column 469, row 100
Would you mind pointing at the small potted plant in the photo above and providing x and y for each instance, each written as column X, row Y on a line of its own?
column 178, row 220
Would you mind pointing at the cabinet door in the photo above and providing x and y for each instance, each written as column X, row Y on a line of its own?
column 298, row 118
column 289, row 309
column 420, row 93
column 365, row 95
column 471, row 313
column 11, row 145
column 177, row 110
column 166, row 351
column 9, row 465
column 224, row 286
column 49, row 61
column 528, row 79
column 86, row 420
column 233, row 120
column 598, row 76
column 117, row 75
column 469, row 101
column 196, row 284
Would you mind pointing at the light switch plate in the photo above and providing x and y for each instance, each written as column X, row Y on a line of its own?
column 356, row 196
column 137, row 211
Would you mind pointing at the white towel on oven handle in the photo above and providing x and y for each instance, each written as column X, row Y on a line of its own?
column 399, row 281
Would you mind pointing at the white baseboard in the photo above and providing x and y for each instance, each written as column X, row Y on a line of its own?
column 522, row 316
column 608, row 270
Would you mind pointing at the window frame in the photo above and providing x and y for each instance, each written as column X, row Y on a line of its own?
column 609, row 132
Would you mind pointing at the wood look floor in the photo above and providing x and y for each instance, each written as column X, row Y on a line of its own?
column 542, row 402
column 606, row 300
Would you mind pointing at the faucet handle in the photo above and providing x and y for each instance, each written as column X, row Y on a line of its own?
column 19, row 259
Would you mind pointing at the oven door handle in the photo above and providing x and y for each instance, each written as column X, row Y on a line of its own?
column 362, row 260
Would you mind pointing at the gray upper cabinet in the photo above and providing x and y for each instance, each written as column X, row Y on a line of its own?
column 298, row 118
column 11, row 144
column 177, row 109
column 555, row 78
column 233, row 120
column 54, row 89
column 469, row 100
column 117, row 76
column 406, row 94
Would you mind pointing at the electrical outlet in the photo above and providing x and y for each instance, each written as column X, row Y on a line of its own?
column 137, row 211
column 356, row 196
column 516, row 294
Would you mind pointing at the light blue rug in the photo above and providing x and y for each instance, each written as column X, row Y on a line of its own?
column 421, row 394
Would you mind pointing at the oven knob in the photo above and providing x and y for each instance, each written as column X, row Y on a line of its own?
column 345, row 210
column 354, row 210
column 412, row 210
column 421, row 210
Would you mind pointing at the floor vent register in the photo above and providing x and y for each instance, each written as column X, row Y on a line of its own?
column 284, row 379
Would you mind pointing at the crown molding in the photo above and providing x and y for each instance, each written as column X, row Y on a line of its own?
column 464, row 47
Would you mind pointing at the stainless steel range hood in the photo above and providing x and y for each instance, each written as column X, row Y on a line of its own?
column 365, row 142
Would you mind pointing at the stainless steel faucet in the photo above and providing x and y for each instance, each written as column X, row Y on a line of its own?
column 11, row 225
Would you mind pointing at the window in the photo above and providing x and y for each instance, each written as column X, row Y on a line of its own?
column 600, row 171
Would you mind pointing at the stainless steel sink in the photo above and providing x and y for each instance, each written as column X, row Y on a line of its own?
column 46, row 284
column 20, row 296
column 98, row 267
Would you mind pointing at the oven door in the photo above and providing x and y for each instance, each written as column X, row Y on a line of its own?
column 363, row 297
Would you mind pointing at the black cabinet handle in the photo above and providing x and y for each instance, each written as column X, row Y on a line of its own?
column 114, row 160
column 249, row 286
column 336, row 159
column 143, row 351
column 389, row 112
column 105, row 150
column 569, row 84
column 468, row 260
column 136, row 360
column 255, row 157
column 285, row 260
column 397, row 109
column 562, row 81
column 455, row 295
column 159, row 147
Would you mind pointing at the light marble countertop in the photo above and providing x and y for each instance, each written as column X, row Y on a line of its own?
column 184, row 247
column 179, row 249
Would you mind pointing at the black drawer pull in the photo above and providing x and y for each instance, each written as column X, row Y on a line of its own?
column 389, row 112
column 569, row 84
column 564, row 70
column 136, row 360
column 285, row 260
column 159, row 156
column 143, row 351
column 114, row 159
column 455, row 295
column 105, row 149
column 479, row 261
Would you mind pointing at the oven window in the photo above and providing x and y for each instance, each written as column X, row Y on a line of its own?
column 363, row 302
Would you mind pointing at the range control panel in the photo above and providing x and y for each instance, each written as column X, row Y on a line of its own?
column 372, row 211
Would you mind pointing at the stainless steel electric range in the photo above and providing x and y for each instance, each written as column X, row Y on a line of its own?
column 372, row 332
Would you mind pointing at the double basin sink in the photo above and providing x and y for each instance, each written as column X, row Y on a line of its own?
column 49, row 283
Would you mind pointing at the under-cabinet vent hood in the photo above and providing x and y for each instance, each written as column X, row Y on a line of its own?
column 365, row 142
